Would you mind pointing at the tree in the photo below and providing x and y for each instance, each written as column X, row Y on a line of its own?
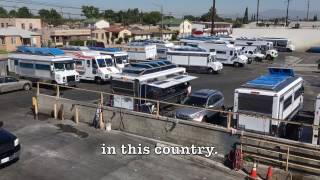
column 207, row 16
column 24, row 12
column 190, row 18
column 315, row 18
column 152, row 18
column 246, row 17
column 12, row 13
column 3, row 13
column 50, row 16
column 90, row 12
column 109, row 14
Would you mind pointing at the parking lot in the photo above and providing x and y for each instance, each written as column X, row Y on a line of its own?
column 51, row 150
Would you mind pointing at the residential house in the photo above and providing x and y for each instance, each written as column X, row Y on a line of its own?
column 101, row 24
column 62, row 37
column 138, row 33
column 182, row 26
column 115, row 34
column 166, row 34
column 31, row 24
column 219, row 27
column 12, row 37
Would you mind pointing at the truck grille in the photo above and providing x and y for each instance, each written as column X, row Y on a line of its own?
column 71, row 78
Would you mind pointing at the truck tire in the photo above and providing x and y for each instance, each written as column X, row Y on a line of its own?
column 98, row 80
column 269, row 58
column 27, row 87
column 237, row 64
column 210, row 71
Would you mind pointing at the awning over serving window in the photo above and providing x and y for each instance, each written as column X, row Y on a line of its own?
column 172, row 81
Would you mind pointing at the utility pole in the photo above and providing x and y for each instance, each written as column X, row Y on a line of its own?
column 161, row 32
column 258, row 7
column 308, row 10
column 213, row 16
column 287, row 16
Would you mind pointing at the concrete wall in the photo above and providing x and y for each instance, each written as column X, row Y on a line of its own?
column 187, row 133
column 302, row 38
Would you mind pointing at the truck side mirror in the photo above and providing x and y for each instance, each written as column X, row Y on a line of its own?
column 1, row 124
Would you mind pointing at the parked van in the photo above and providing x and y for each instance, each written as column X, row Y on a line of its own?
column 43, row 64
column 141, row 51
column 93, row 66
column 277, row 95
column 194, row 59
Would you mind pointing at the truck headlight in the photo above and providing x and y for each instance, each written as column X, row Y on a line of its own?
column 16, row 142
column 198, row 117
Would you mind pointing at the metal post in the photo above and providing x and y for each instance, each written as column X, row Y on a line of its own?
column 308, row 10
column 287, row 164
column 161, row 22
column 287, row 16
column 229, row 120
column 158, row 109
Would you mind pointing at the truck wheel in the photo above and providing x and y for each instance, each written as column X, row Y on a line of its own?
column 250, row 61
column 205, row 119
column 210, row 71
column 269, row 58
column 27, row 87
column 98, row 80
column 236, row 64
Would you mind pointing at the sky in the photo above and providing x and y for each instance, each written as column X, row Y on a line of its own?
column 175, row 7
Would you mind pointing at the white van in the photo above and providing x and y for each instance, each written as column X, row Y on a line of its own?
column 93, row 66
column 43, row 64
column 277, row 95
column 194, row 60
column 316, row 122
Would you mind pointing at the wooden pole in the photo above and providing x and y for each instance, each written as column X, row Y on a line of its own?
column 57, row 91
column 287, row 164
column 38, row 88
column 76, row 115
column 101, row 112
column 55, row 113
column 229, row 120
column 158, row 109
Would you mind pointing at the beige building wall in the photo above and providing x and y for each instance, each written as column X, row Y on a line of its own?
column 12, row 42
column 22, row 23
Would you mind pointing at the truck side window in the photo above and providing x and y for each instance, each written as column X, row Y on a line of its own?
column 231, row 53
column 287, row 102
column 94, row 63
column 88, row 63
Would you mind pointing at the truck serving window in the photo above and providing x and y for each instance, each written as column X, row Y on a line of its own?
column 255, row 103
column 122, row 87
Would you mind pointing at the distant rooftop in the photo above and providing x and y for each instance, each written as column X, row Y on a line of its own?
column 13, row 31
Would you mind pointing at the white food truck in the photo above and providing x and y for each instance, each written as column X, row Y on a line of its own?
column 226, row 53
column 93, row 66
column 43, row 64
column 277, row 95
column 120, row 58
column 141, row 51
column 158, row 80
column 264, row 47
column 194, row 59
column 281, row 44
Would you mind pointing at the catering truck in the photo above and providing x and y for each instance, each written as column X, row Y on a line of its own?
column 194, row 59
column 263, row 47
column 281, row 44
column 93, row 66
column 226, row 53
column 157, row 80
column 316, row 122
column 141, row 51
column 275, row 96
column 43, row 64
column 120, row 58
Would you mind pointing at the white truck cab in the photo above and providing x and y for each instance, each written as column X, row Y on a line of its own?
column 43, row 64
column 253, row 53
column 93, row 66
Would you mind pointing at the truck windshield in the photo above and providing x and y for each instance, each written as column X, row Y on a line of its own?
column 101, row 63
column 109, row 62
column 255, row 103
column 195, row 101
column 121, row 59
column 64, row 66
